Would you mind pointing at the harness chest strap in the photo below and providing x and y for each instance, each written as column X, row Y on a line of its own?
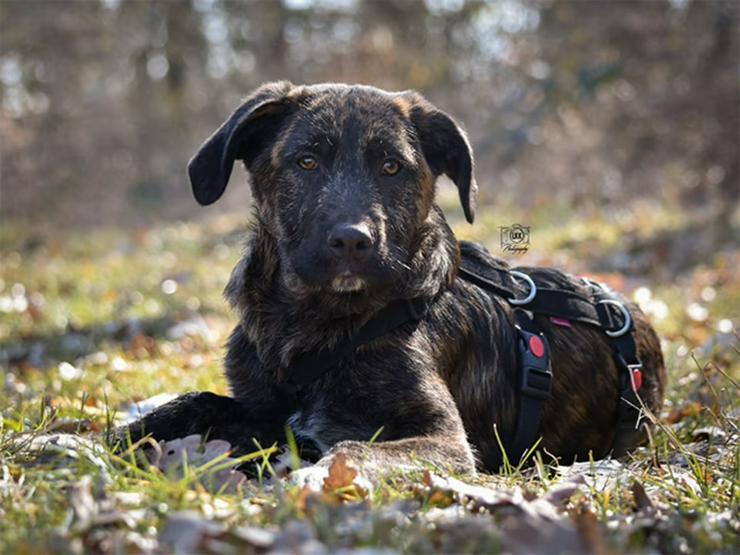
column 535, row 384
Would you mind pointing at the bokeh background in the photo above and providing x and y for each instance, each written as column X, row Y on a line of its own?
column 610, row 128
column 587, row 104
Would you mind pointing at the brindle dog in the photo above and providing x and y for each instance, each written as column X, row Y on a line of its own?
column 343, row 180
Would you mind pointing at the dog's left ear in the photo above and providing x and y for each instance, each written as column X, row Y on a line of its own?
column 241, row 137
column 446, row 149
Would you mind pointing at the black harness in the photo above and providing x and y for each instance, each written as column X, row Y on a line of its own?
column 599, row 307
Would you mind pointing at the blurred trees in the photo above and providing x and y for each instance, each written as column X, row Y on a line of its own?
column 586, row 103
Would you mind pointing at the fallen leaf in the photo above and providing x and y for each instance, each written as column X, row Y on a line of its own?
column 65, row 448
column 684, row 411
column 600, row 475
column 72, row 425
column 297, row 537
column 135, row 411
column 171, row 457
column 83, row 505
column 301, row 502
column 589, row 531
column 259, row 538
column 478, row 496
column 642, row 500
column 341, row 478
column 95, row 508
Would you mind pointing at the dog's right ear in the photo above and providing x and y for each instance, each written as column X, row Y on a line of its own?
column 241, row 137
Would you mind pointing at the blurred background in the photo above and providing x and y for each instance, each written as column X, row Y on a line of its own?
column 586, row 104
column 609, row 128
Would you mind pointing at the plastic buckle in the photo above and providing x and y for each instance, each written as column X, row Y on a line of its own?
column 633, row 371
column 535, row 383
column 635, row 376
column 535, row 376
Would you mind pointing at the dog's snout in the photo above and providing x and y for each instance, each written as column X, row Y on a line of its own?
column 352, row 241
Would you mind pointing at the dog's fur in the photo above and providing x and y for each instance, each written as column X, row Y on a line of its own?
column 436, row 387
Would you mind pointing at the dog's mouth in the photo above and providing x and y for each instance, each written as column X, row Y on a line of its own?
column 347, row 282
column 307, row 273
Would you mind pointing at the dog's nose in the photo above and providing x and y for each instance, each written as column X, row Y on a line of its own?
column 352, row 241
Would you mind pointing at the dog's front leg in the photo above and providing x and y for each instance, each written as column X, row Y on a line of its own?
column 210, row 415
column 427, row 430
column 374, row 462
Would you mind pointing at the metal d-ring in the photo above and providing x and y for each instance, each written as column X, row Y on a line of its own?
column 592, row 284
column 627, row 318
column 532, row 289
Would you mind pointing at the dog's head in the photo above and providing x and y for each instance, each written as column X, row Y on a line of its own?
column 343, row 177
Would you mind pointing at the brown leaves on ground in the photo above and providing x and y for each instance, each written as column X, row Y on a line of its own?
column 341, row 484
column 341, row 480
column 685, row 410
column 523, row 524
column 213, row 466
column 189, row 532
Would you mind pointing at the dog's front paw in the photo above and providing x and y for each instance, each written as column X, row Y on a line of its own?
column 311, row 477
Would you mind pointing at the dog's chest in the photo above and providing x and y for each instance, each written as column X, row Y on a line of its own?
column 324, row 419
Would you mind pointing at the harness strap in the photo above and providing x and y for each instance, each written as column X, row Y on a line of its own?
column 503, row 286
column 561, row 303
column 535, row 383
column 599, row 308
column 629, row 408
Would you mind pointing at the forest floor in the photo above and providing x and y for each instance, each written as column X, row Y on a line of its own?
column 93, row 326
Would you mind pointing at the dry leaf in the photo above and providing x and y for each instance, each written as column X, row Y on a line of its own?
column 140, row 409
column 477, row 496
column 301, row 502
column 589, row 531
column 342, row 477
column 171, row 456
column 642, row 499
column 600, row 475
column 684, row 411
column 712, row 433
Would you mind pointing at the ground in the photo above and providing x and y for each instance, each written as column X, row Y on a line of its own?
column 92, row 323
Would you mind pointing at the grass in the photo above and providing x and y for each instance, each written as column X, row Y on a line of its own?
column 91, row 323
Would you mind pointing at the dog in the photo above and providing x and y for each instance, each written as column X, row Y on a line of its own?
column 345, row 222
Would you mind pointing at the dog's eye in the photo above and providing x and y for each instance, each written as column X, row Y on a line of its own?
column 308, row 163
column 391, row 166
